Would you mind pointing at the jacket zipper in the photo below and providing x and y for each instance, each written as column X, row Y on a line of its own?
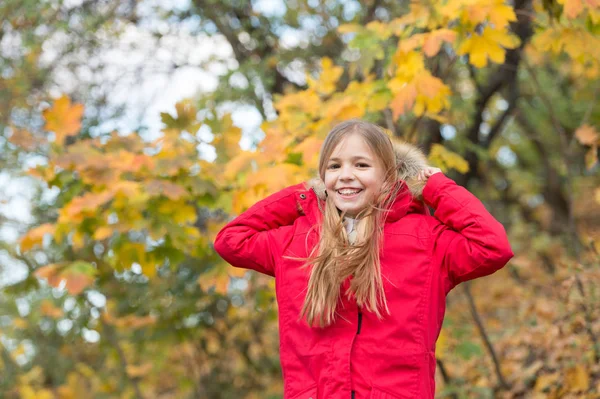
column 359, row 322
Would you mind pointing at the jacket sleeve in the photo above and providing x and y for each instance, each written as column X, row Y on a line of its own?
column 468, row 241
column 252, row 240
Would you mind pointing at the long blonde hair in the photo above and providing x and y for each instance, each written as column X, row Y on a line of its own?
column 335, row 258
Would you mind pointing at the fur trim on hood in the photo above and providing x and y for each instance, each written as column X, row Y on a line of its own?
column 410, row 160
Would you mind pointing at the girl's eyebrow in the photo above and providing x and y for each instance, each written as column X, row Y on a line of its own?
column 353, row 158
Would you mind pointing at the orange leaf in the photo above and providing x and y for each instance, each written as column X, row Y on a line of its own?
column 433, row 41
column 404, row 100
column 77, row 282
column 102, row 233
column 63, row 118
column 587, row 135
column 166, row 188
column 23, row 139
column 47, row 308
column 139, row 371
column 35, row 236
column 572, row 7
column 310, row 150
column 50, row 273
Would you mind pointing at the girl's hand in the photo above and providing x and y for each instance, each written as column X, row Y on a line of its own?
column 427, row 172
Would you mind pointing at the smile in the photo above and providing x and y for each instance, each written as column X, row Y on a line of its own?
column 349, row 194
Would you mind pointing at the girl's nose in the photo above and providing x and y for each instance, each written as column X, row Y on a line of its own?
column 346, row 173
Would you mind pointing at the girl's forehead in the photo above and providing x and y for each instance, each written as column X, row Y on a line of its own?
column 352, row 146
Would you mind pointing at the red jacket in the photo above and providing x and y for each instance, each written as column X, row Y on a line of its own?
column 423, row 258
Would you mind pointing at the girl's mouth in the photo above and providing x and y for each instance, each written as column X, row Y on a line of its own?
column 349, row 194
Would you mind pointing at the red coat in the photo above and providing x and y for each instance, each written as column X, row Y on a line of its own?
column 423, row 258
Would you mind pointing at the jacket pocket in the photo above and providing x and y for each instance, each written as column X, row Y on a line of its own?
column 310, row 393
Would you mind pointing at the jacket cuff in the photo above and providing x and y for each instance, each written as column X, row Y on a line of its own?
column 434, row 183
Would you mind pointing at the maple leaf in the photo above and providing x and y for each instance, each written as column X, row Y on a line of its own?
column 433, row 41
column 490, row 44
column 185, row 118
column 408, row 65
column 404, row 100
column 500, row 14
column 328, row 78
column 63, row 118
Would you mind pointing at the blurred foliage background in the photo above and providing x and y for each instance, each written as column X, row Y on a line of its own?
column 110, row 287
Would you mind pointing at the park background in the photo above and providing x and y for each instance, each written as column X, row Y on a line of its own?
column 131, row 131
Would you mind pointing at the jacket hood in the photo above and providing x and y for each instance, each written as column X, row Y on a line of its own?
column 410, row 160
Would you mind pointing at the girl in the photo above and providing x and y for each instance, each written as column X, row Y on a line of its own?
column 362, row 270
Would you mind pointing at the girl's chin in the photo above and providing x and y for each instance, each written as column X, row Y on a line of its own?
column 350, row 212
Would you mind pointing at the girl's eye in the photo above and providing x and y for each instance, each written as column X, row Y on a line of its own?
column 363, row 165
column 333, row 166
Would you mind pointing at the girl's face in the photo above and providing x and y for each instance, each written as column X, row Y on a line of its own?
column 353, row 176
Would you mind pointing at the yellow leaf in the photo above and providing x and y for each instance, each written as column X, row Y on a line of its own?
column 546, row 380
column 408, row 65
column 587, row 135
column 242, row 163
column 20, row 323
column 490, row 44
column 275, row 178
column 309, row 148
column 577, row 379
column 597, row 195
column 446, row 159
column 328, row 78
column 78, row 240
column 63, row 118
column 349, row 28
column 381, row 30
column 441, row 345
column 35, row 236
column 103, row 232
column 27, row 392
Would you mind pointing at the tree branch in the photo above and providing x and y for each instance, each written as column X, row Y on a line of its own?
column 484, row 336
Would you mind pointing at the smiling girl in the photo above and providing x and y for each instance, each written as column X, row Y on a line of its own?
column 362, row 270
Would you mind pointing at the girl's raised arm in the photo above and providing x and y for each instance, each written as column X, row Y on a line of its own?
column 469, row 241
column 254, row 239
